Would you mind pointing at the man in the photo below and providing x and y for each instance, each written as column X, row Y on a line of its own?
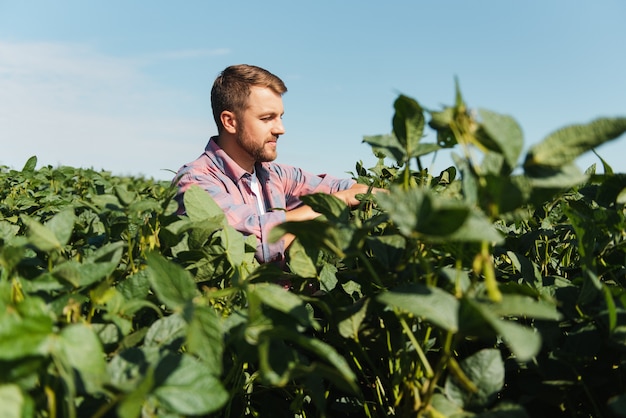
column 237, row 167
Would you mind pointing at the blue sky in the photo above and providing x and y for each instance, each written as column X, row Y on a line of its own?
column 124, row 86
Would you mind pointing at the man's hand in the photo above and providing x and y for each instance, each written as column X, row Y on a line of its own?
column 305, row 213
column 349, row 195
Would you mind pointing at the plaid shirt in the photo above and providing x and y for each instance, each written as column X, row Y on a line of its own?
column 229, row 185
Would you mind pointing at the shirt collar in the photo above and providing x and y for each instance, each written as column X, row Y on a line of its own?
column 230, row 167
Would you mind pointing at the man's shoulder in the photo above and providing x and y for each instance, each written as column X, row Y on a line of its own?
column 279, row 168
column 206, row 165
column 203, row 164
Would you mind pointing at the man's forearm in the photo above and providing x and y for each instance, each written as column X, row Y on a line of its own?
column 301, row 213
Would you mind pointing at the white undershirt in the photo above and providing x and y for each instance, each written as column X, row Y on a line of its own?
column 254, row 186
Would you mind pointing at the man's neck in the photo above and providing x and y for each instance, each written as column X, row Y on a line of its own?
column 228, row 144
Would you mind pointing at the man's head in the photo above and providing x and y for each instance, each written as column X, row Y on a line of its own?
column 232, row 87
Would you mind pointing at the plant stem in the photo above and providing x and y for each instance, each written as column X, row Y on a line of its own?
column 489, row 273
column 418, row 348
column 431, row 386
column 51, row 399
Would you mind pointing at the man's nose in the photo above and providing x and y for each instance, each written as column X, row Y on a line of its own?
column 279, row 128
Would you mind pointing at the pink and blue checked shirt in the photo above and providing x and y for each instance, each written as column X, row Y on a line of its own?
column 229, row 185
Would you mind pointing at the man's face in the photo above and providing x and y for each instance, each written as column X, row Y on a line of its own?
column 260, row 125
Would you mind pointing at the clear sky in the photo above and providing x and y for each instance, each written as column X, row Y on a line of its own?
column 124, row 85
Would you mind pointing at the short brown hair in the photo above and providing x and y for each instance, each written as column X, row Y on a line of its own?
column 232, row 87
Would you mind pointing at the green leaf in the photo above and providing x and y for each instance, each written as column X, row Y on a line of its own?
column 127, row 368
column 278, row 362
column 420, row 213
column 282, row 300
column 505, row 410
column 425, row 148
column 173, row 285
column 547, row 181
column 611, row 188
column 166, row 330
column 389, row 249
column 513, row 305
column 331, row 207
column 25, row 329
column 300, row 263
column 607, row 168
column 11, row 256
column 432, row 304
column 563, row 146
column 557, row 178
column 135, row 286
column 444, row 406
column 469, row 181
column 67, row 272
column 387, row 144
column 351, row 318
column 234, row 244
column 125, row 196
column 94, row 268
column 201, row 231
column 142, row 206
column 610, row 307
column 591, row 288
column 441, row 121
column 41, row 236
column 617, row 405
column 30, row 165
column 111, row 252
column 314, row 234
column 328, row 277
column 458, row 96
column 62, row 225
column 477, row 228
column 14, row 403
column 408, row 125
column 507, row 193
column 417, row 211
column 107, row 333
column 485, row 369
column 505, row 132
column 82, row 350
column 479, row 319
column 204, row 338
column 200, row 206
column 107, row 202
column 584, row 235
column 132, row 404
column 323, row 350
column 187, row 386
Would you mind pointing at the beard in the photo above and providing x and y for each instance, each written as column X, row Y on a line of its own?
column 258, row 151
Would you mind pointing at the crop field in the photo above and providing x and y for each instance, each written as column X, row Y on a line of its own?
column 495, row 288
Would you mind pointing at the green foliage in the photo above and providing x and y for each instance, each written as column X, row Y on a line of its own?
column 495, row 288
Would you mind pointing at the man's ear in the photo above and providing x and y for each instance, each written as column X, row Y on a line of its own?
column 229, row 121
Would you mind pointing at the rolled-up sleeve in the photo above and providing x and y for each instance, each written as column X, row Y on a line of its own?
column 295, row 183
